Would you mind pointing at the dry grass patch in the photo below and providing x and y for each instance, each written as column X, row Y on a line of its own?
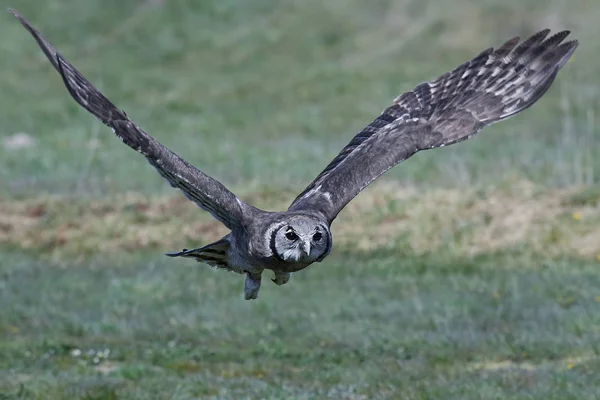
column 552, row 222
column 473, row 221
column 567, row 363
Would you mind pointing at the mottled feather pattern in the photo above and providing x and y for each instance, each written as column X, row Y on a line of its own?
column 209, row 194
column 389, row 115
column 494, row 85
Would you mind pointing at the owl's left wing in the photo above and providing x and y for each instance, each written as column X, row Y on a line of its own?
column 491, row 87
column 206, row 192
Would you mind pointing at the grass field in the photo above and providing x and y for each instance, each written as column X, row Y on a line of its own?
column 467, row 272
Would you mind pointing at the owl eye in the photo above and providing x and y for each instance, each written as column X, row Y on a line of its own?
column 291, row 235
column 317, row 236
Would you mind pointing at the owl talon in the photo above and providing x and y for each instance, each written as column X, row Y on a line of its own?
column 281, row 278
column 252, row 286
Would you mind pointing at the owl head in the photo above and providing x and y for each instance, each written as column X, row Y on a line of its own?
column 301, row 239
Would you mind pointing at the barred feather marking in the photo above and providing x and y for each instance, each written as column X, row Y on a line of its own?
column 493, row 86
column 206, row 192
column 214, row 254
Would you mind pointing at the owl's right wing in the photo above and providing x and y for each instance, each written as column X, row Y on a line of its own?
column 206, row 192
column 491, row 87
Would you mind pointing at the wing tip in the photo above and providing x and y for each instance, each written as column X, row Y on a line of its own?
column 19, row 17
column 542, row 32
column 570, row 48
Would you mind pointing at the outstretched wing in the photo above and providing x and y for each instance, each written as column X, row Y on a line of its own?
column 209, row 194
column 489, row 88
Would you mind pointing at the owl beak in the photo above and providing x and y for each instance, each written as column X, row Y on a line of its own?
column 306, row 248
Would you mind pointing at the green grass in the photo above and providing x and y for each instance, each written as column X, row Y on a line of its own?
column 423, row 327
column 488, row 288
column 223, row 82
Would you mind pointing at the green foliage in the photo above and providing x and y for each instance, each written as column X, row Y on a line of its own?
column 371, row 325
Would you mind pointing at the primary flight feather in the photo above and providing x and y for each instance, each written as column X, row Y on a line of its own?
column 493, row 86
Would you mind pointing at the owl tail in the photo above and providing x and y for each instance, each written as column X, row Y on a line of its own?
column 214, row 254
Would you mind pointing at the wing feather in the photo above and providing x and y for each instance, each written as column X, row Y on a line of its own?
column 206, row 192
column 491, row 87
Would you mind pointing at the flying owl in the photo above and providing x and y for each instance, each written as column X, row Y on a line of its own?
column 495, row 85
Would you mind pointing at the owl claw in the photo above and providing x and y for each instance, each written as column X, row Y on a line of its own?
column 252, row 286
column 281, row 278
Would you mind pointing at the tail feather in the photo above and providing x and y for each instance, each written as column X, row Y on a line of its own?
column 214, row 254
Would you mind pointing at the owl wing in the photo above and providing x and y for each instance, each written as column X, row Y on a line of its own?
column 206, row 192
column 495, row 85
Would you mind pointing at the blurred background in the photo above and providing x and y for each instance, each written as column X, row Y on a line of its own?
column 466, row 272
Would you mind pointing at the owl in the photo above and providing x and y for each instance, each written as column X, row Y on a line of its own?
column 494, row 85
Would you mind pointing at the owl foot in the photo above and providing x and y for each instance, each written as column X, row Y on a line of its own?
column 281, row 278
column 252, row 286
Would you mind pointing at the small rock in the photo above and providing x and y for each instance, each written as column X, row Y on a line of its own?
column 18, row 141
